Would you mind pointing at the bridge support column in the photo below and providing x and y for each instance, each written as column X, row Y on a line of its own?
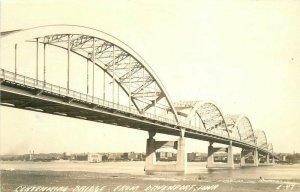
column 181, row 163
column 273, row 160
column 255, row 158
column 268, row 159
column 210, row 155
column 151, row 163
column 246, row 153
column 150, row 152
column 210, row 158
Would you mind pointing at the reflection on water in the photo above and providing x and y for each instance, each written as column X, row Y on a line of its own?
column 137, row 168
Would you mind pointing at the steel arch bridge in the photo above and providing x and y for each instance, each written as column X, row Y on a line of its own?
column 144, row 103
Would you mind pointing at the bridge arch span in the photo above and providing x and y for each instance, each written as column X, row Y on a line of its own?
column 270, row 147
column 208, row 112
column 118, row 60
column 131, row 73
column 233, row 130
column 244, row 127
column 261, row 139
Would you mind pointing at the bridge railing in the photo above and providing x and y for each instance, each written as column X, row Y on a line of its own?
column 61, row 91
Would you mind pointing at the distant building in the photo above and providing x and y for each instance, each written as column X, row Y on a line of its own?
column 14, row 157
column 66, row 156
column 197, row 157
column 115, row 156
column 44, row 156
column 132, row 156
column 220, row 157
column 237, row 157
column 165, row 156
column 79, row 157
column 94, row 157
column 141, row 156
column 283, row 158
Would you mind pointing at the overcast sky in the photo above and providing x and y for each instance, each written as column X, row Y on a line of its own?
column 243, row 55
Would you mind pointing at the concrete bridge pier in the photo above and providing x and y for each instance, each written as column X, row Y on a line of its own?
column 181, row 163
column 246, row 153
column 152, row 145
column 272, row 161
column 210, row 158
column 150, row 152
column 267, row 160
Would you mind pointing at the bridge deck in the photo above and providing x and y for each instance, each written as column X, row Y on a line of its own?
column 26, row 93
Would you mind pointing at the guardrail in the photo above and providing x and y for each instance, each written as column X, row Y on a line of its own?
column 28, row 81
column 61, row 91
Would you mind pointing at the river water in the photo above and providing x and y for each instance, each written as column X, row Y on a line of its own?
column 278, row 172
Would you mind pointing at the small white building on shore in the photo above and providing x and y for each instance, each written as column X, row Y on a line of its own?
column 94, row 158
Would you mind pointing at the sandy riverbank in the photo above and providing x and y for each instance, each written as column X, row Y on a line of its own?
column 22, row 180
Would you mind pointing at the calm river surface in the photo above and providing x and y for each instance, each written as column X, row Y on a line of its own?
column 284, row 172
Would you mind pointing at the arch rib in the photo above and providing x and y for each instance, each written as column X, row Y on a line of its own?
column 261, row 139
column 244, row 127
column 231, row 122
column 208, row 112
column 83, row 36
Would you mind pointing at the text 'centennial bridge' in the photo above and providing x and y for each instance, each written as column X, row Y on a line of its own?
column 84, row 73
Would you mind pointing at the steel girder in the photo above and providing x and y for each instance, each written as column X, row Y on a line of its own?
column 126, row 67
column 210, row 115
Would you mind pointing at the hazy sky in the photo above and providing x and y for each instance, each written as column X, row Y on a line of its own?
column 244, row 55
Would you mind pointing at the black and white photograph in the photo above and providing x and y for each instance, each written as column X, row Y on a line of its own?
column 149, row 95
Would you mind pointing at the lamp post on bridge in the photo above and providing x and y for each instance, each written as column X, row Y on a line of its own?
column 87, row 75
column 68, row 73
column 16, row 46
column 44, row 64
column 37, row 62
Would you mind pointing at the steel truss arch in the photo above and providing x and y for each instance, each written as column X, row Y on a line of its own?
column 244, row 127
column 261, row 139
column 231, row 125
column 270, row 147
column 208, row 112
column 127, row 68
